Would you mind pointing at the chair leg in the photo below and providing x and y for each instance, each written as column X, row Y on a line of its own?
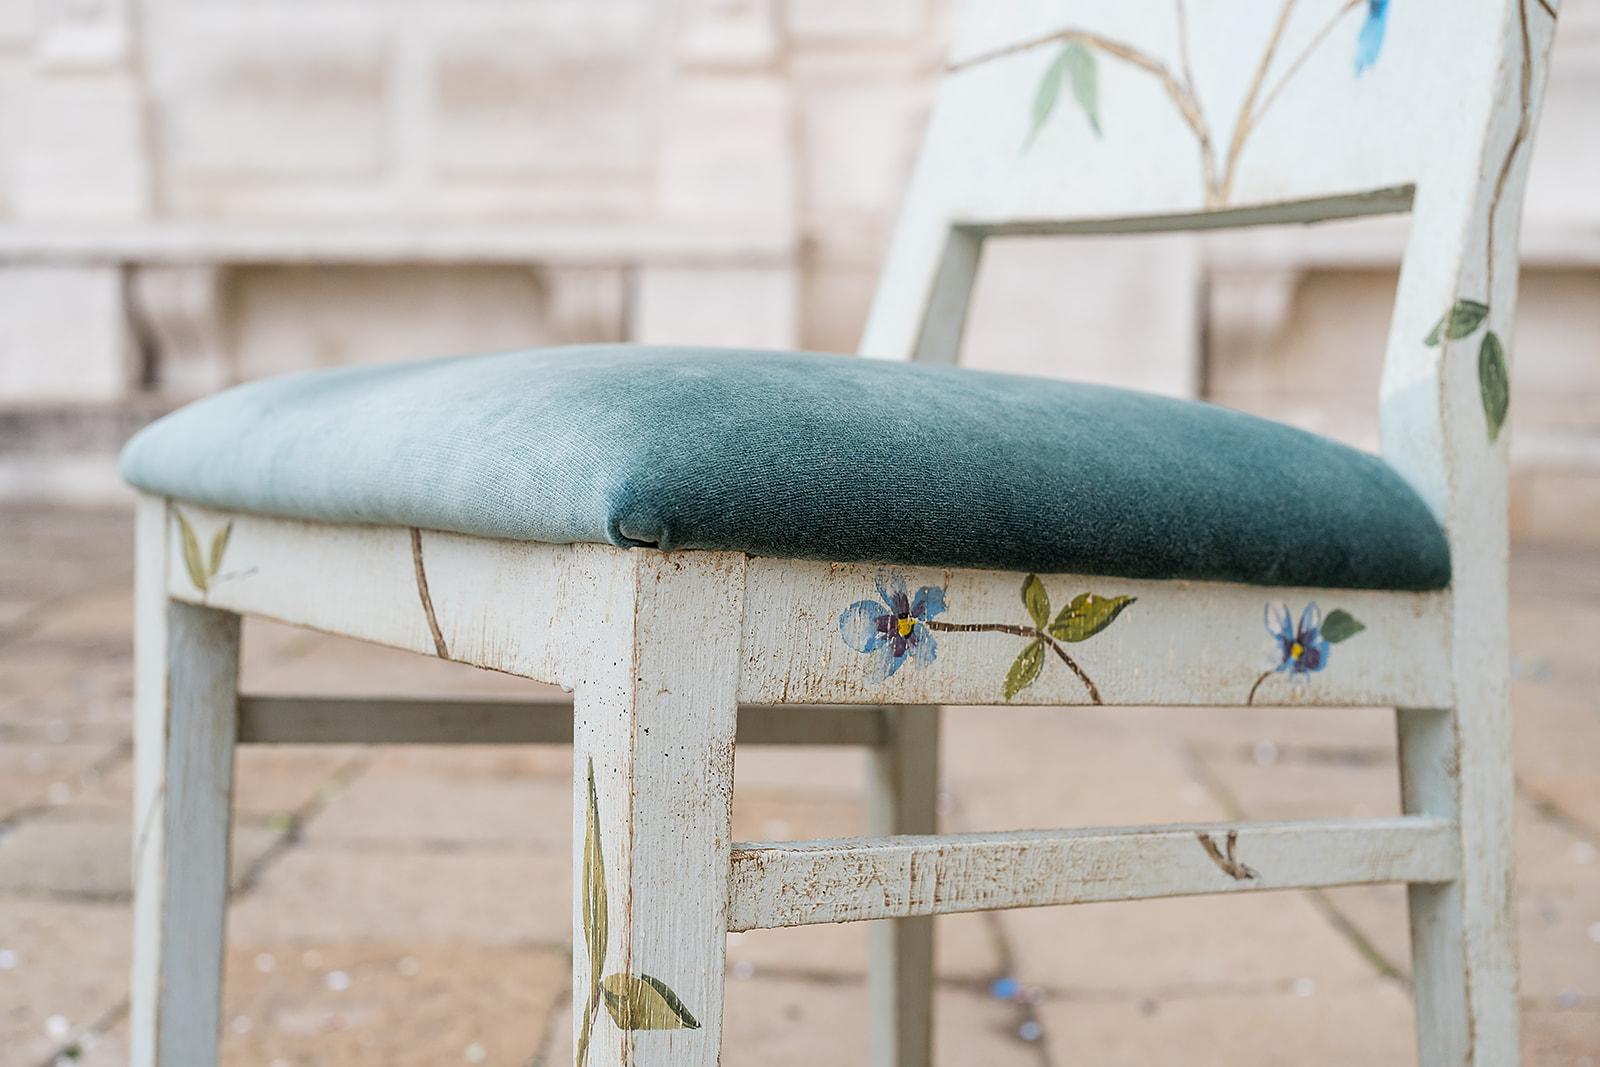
column 1463, row 935
column 186, row 662
column 655, row 711
column 902, row 798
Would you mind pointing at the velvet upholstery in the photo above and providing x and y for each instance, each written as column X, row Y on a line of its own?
column 804, row 456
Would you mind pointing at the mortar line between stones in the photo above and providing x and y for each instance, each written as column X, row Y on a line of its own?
column 1552, row 812
column 335, row 784
column 1341, row 923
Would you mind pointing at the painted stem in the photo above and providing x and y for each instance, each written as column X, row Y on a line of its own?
column 1217, row 181
column 1521, row 135
column 1032, row 632
column 1246, row 120
column 1251, row 699
column 427, row 600
column 588, row 1025
column 1299, row 61
column 1181, row 91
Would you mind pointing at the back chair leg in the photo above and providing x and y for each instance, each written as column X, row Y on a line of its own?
column 653, row 805
column 185, row 714
column 902, row 798
column 1456, row 764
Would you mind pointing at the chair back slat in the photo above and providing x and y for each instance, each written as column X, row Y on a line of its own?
column 1099, row 116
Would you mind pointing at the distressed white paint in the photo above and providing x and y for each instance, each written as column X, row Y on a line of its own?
column 187, row 667
column 1179, row 643
column 903, row 798
column 796, row 883
column 519, row 607
column 656, row 712
column 1197, row 134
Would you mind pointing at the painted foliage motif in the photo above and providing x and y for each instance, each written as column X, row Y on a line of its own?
column 1076, row 69
column 204, row 568
column 633, row 1001
column 1302, row 648
column 898, row 627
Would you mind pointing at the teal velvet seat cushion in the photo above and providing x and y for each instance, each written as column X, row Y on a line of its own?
column 803, row 456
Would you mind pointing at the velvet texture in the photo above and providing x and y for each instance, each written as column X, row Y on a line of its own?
column 802, row 456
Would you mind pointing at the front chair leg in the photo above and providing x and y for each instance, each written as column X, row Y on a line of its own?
column 902, row 798
column 185, row 715
column 1456, row 764
column 655, row 709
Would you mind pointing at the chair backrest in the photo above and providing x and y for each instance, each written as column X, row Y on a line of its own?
column 1101, row 116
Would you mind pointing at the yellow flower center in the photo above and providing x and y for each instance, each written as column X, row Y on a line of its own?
column 907, row 624
column 1296, row 650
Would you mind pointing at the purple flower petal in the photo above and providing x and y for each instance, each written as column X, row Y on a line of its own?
column 892, row 590
column 1310, row 624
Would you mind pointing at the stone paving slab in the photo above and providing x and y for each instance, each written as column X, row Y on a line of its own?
column 492, row 896
column 1300, row 790
column 1567, row 1037
column 269, row 782
column 1256, row 942
column 1026, row 768
column 83, row 854
column 1370, row 1023
column 280, row 659
column 373, row 1005
column 33, row 775
column 426, row 809
column 788, row 1023
column 967, row 950
column 63, row 970
column 56, row 695
column 1241, row 732
column 415, row 901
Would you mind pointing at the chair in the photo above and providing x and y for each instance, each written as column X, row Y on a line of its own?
column 842, row 544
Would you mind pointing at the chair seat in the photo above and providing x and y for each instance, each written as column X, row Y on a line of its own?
column 805, row 456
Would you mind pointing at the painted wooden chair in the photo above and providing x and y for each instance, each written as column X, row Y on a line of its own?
column 670, row 534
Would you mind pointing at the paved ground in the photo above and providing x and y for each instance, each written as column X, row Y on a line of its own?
column 410, row 906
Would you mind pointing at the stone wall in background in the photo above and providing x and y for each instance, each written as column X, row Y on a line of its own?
column 198, row 192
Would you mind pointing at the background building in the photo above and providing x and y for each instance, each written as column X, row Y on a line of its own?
column 198, row 193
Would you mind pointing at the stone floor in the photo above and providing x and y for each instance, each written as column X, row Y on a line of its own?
column 410, row 906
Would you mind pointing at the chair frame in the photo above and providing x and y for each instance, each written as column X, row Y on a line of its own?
column 670, row 656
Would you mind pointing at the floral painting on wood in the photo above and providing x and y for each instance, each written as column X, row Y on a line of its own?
column 898, row 627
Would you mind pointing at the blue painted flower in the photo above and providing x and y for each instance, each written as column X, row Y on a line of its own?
column 1301, row 647
column 895, row 626
column 1370, row 41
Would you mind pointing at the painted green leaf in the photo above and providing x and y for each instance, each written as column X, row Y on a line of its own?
column 1036, row 600
column 1494, row 382
column 219, row 545
column 1340, row 625
column 1044, row 98
column 1027, row 667
column 191, row 553
column 1087, row 615
column 640, row 1002
column 1084, row 75
column 594, row 882
column 1458, row 322
column 1074, row 64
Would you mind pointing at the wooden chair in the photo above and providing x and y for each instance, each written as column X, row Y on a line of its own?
column 1055, row 117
